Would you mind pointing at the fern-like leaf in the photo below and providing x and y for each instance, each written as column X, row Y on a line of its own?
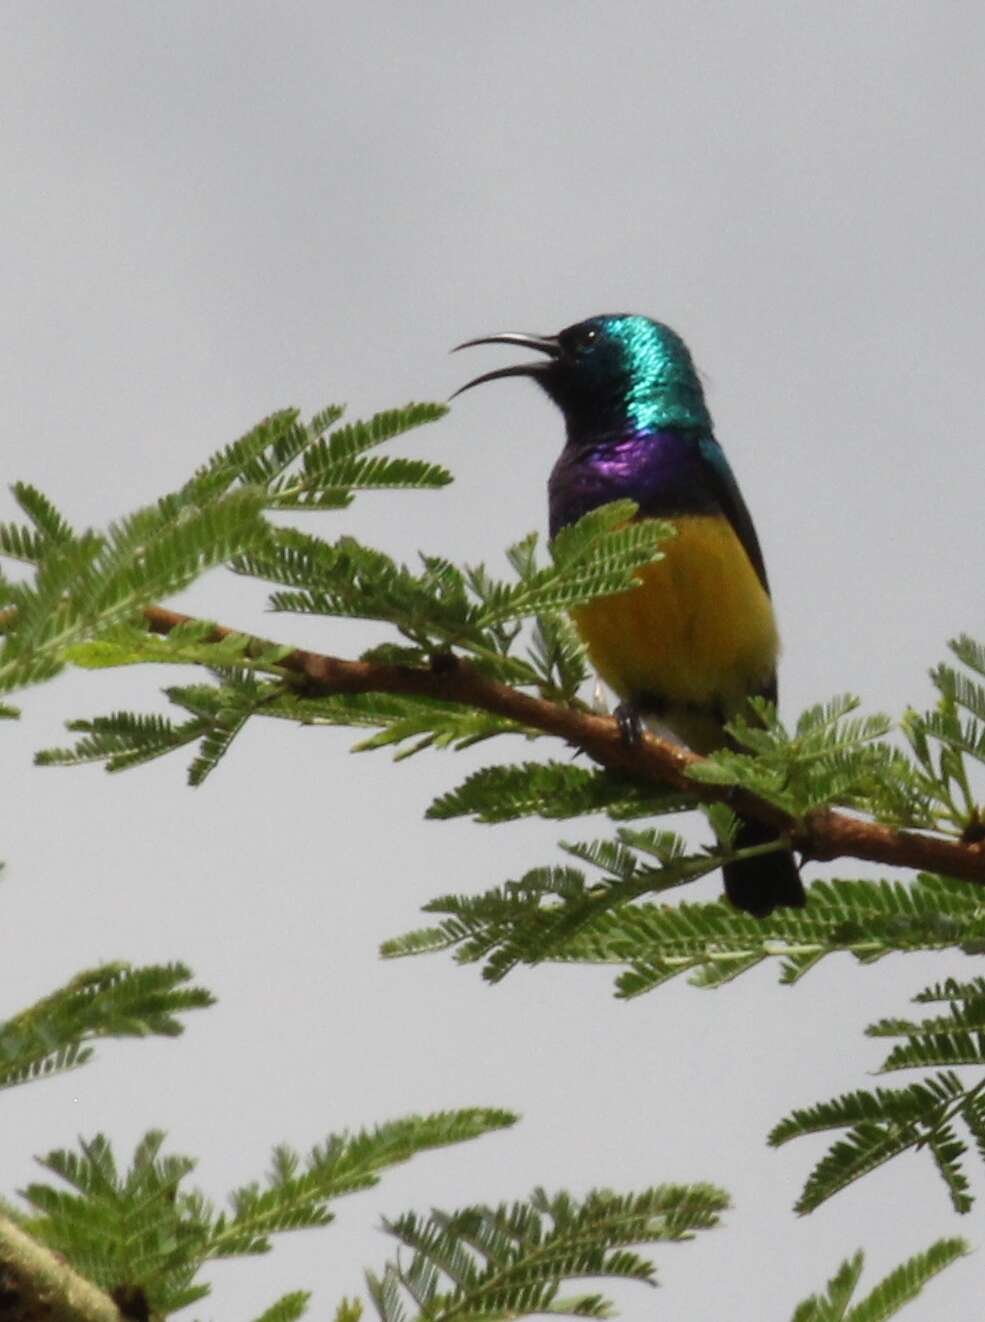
column 333, row 468
column 906, row 1282
column 443, row 606
column 556, row 914
column 288, row 1308
column 48, row 527
column 831, row 758
column 833, row 1306
column 883, row 1124
column 114, row 1000
column 899, row 1288
column 947, row 1150
column 330, row 469
column 258, row 458
column 553, row 790
column 122, row 740
column 514, row 1259
column 298, row 1191
column 142, row 1235
column 406, row 724
column 91, row 584
column 135, row 1231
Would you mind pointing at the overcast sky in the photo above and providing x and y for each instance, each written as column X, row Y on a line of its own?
column 212, row 210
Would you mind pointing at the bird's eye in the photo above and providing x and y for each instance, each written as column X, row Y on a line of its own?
column 580, row 339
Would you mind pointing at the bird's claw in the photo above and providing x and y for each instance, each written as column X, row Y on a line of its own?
column 630, row 723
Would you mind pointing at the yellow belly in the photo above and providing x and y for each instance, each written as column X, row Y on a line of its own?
column 699, row 631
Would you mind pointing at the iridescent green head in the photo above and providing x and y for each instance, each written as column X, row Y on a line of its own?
column 612, row 374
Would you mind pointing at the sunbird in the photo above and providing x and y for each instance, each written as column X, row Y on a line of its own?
column 698, row 637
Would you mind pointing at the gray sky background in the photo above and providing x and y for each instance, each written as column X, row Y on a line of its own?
column 212, row 210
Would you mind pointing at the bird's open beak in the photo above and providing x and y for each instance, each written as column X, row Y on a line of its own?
column 542, row 343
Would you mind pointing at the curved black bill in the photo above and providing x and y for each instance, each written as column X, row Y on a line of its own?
column 547, row 344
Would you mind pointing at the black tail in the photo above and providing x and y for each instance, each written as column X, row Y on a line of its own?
column 760, row 885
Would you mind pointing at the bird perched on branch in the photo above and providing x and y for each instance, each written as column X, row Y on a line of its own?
column 697, row 638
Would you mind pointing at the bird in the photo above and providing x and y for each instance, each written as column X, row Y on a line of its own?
column 697, row 638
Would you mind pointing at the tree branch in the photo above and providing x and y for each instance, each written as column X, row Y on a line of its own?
column 825, row 835
column 37, row 1286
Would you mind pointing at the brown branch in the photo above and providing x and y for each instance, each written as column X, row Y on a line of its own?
column 824, row 836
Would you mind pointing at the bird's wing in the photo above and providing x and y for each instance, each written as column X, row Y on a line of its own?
column 722, row 479
column 726, row 488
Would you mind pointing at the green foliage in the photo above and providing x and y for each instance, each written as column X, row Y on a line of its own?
column 885, row 1122
column 122, row 740
column 557, row 914
column 143, row 1237
column 46, row 528
column 297, row 1192
column 193, row 642
column 513, row 1260
column 830, row 759
column 131, row 1231
column 141, row 1232
column 553, row 913
column 218, row 712
column 944, row 740
column 88, row 588
column 881, row 1124
column 443, row 606
column 429, row 722
column 290, row 1307
column 902, row 1285
column 554, row 790
column 558, row 657
column 298, row 467
column 951, row 1039
column 95, row 582
column 222, row 711
column 114, row 1000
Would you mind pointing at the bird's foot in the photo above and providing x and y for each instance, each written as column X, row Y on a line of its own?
column 630, row 720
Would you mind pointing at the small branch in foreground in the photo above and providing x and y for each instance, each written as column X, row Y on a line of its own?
column 38, row 1287
column 825, row 836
